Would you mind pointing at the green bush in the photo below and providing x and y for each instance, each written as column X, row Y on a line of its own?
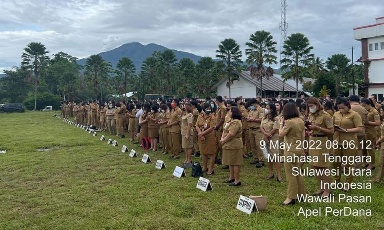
column 43, row 99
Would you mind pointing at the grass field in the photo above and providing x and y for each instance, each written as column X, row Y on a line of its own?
column 83, row 183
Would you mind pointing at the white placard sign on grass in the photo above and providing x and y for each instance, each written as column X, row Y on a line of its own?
column 178, row 172
column 246, row 204
column 160, row 164
column 3, row 151
column 102, row 138
column 124, row 149
column 145, row 158
column 95, row 134
column 109, row 141
column 204, row 184
column 133, row 153
column 115, row 143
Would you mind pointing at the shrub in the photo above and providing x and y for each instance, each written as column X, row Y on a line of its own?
column 42, row 100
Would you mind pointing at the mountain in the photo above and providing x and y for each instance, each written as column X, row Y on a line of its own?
column 138, row 52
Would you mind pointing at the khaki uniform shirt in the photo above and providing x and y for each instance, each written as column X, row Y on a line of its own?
column 321, row 119
column 255, row 114
column 293, row 134
column 363, row 114
column 185, row 121
column 351, row 120
column 371, row 116
column 175, row 116
column 220, row 116
column 205, row 123
column 233, row 126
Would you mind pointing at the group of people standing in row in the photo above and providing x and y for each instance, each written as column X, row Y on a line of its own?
column 228, row 131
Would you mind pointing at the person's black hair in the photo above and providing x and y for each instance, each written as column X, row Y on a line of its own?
column 303, row 106
column 155, row 108
column 343, row 100
column 147, row 107
column 273, row 112
column 290, row 111
column 354, row 98
column 219, row 99
column 138, row 106
column 285, row 101
column 194, row 103
column 299, row 101
column 253, row 101
column 177, row 101
column 164, row 107
column 236, row 114
column 367, row 101
column 237, row 99
column 199, row 108
column 328, row 105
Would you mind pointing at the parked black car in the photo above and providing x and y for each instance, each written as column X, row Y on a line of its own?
column 12, row 107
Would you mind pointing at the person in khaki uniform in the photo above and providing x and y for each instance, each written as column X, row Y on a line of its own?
column 93, row 107
column 121, row 122
column 279, row 110
column 174, row 129
column 195, row 114
column 254, row 120
column 293, row 130
column 153, row 126
column 205, row 125
column 87, row 114
column 164, row 130
column 103, row 121
column 347, row 124
column 110, row 115
column 232, row 143
column 116, row 117
column 132, row 128
column 380, row 144
column 187, row 131
column 320, row 126
column 80, row 114
column 269, row 127
column 244, row 123
column 354, row 101
column 221, row 111
column 373, row 121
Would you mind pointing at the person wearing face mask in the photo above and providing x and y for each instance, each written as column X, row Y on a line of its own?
column 347, row 124
column 254, row 120
column 174, row 129
column 320, row 126
column 380, row 144
column 373, row 121
column 164, row 130
column 354, row 101
column 269, row 128
column 221, row 111
column 205, row 125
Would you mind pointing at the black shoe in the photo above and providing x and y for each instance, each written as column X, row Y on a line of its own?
column 279, row 180
column 254, row 162
column 292, row 202
column 225, row 167
column 229, row 181
column 218, row 161
column 197, row 154
column 122, row 136
column 233, row 184
column 259, row 165
column 271, row 177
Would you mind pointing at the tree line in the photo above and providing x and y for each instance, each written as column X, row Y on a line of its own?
column 41, row 78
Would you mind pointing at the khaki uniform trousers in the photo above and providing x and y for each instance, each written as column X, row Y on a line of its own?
column 379, row 175
column 111, row 125
column 121, row 123
column 295, row 183
column 175, row 142
column 195, row 142
column 341, row 151
column 371, row 142
column 165, row 139
column 255, row 137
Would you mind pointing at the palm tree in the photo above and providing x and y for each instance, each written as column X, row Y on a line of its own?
column 97, row 69
column 229, row 52
column 34, row 59
column 125, row 69
column 338, row 65
column 261, row 51
column 297, row 57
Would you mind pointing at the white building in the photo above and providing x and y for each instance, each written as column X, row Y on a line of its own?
column 372, row 46
column 248, row 87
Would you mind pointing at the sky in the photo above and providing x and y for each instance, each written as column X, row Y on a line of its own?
column 85, row 27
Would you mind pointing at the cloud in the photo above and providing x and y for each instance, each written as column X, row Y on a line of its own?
column 85, row 27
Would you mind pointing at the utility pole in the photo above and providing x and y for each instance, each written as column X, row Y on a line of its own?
column 353, row 75
column 283, row 29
